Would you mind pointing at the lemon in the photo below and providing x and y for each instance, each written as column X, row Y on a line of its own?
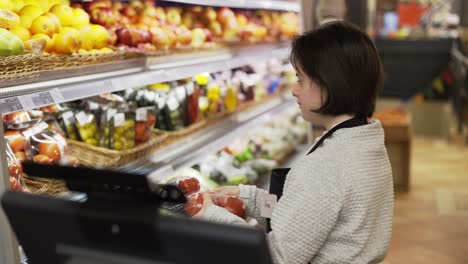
column 22, row 32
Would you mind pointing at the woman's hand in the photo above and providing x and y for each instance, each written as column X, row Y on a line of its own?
column 207, row 202
column 228, row 190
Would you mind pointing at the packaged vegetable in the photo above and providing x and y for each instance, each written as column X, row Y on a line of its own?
column 122, row 131
column 15, row 171
column 69, row 125
column 145, row 118
column 231, row 203
column 187, row 185
column 47, row 147
column 87, row 127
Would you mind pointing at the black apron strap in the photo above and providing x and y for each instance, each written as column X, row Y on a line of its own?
column 353, row 122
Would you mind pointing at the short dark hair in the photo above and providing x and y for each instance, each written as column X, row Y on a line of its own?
column 345, row 63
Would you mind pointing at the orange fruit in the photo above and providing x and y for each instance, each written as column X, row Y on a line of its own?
column 22, row 32
column 43, row 37
column 43, row 24
column 64, row 13
column 31, row 10
column 8, row 19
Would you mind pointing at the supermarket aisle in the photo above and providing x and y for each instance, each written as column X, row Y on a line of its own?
column 431, row 222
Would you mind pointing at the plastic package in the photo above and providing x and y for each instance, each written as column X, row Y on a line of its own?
column 15, row 171
column 87, row 127
column 68, row 123
column 17, row 118
column 122, row 131
column 187, row 185
column 145, row 121
column 47, row 147
column 231, row 203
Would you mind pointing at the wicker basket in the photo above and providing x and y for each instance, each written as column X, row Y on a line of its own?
column 19, row 67
column 45, row 186
column 49, row 62
column 173, row 136
column 97, row 157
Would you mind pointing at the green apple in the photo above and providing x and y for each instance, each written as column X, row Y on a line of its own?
column 15, row 44
column 5, row 46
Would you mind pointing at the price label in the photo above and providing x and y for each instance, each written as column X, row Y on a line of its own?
column 267, row 204
column 142, row 114
column 93, row 106
column 172, row 103
column 40, row 127
column 67, row 118
column 180, row 92
column 82, row 118
column 110, row 113
column 57, row 95
column 190, row 88
column 10, row 105
column 119, row 120
column 41, row 99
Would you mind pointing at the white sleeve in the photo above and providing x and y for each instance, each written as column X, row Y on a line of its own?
column 251, row 196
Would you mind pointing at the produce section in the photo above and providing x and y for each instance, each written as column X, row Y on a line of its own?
column 153, row 86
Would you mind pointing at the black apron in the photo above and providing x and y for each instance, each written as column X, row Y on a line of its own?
column 278, row 176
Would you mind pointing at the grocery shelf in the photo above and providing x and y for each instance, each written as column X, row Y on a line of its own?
column 152, row 70
column 192, row 150
column 247, row 4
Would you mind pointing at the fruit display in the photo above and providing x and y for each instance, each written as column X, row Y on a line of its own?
column 148, row 26
column 51, row 26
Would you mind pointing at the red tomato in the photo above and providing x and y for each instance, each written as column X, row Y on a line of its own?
column 16, row 140
column 194, row 203
column 15, row 169
column 49, row 149
column 231, row 203
column 20, row 156
column 43, row 159
column 189, row 185
column 14, row 184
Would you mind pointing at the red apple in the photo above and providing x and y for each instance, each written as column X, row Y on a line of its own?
column 112, row 37
column 137, row 5
column 188, row 19
column 216, row 28
column 97, row 4
column 208, row 35
column 132, row 36
column 184, row 36
column 104, row 16
column 224, row 15
column 150, row 11
column 210, row 15
column 160, row 14
column 173, row 16
column 242, row 20
column 159, row 38
column 198, row 37
column 171, row 36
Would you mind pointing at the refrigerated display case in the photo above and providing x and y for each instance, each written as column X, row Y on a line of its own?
column 56, row 86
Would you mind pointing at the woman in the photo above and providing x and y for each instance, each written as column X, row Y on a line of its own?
column 337, row 201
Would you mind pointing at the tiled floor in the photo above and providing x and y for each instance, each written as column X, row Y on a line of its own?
column 431, row 221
